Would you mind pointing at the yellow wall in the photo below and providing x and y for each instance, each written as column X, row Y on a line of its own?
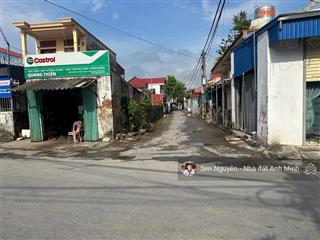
column 312, row 60
column 59, row 43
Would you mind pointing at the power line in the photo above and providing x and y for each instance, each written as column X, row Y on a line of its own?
column 195, row 75
column 204, row 47
column 209, row 41
column 118, row 29
column 212, row 25
column 189, row 77
column 215, row 30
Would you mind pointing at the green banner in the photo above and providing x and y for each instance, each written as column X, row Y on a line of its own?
column 73, row 64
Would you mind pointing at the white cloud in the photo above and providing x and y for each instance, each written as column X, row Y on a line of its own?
column 16, row 11
column 115, row 13
column 156, row 62
column 96, row 5
column 186, row 5
column 230, row 9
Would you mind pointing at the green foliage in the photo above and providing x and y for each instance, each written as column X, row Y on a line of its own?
column 137, row 114
column 226, row 43
column 170, row 86
column 179, row 91
column 240, row 23
column 174, row 89
column 143, row 116
column 133, row 107
column 147, row 101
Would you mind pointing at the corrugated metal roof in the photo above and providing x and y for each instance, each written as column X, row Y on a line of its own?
column 55, row 84
column 295, row 28
column 289, row 26
column 284, row 27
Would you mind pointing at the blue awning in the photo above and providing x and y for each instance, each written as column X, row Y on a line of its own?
column 295, row 28
column 244, row 57
column 284, row 27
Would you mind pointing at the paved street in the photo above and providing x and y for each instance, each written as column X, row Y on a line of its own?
column 132, row 191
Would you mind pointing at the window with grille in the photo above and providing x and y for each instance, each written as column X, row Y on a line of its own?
column 19, row 103
column 68, row 45
column 48, row 46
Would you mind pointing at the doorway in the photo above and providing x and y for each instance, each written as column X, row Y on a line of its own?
column 60, row 109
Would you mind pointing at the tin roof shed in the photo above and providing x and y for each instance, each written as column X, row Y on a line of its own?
column 285, row 27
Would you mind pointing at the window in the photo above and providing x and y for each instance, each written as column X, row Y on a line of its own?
column 48, row 46
column 68, row 45
column 19, row 103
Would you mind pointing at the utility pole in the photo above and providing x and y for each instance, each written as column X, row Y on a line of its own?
column 203, row 69
column 204, row 82
column 8, row 50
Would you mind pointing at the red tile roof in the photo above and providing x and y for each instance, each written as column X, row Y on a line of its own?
column 142, row 82
column 196, row 92
column 137, row 83
column 154, row 80
column 12, row 53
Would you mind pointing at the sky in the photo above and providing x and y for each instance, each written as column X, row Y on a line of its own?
column 182, row 25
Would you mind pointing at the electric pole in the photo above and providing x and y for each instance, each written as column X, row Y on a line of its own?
column 204, row 82
column 203, row 69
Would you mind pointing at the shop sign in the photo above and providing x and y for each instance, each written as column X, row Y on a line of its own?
column 70, row 64
column 5, row 86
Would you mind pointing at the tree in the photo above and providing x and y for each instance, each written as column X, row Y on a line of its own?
column 226, row 43
column 240, row 23
column 174, row 89
column 180, row 89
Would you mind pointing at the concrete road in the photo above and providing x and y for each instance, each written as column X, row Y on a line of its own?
column 133, row 191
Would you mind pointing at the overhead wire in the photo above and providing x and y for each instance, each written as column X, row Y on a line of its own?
column 118, row 29
column 198, row 65
column 215, row 30
column 209, row 41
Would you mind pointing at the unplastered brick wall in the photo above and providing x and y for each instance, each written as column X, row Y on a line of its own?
column 104, row 107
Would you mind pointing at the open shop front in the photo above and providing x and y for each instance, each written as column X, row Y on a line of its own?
column 54, row 105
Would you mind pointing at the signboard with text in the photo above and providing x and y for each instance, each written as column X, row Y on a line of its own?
column 5, row 86
column 70, row 64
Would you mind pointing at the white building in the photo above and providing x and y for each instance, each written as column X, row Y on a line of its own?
column 276, row 81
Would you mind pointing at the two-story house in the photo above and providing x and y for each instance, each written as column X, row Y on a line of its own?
column 72, row 76
column 154, row 85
